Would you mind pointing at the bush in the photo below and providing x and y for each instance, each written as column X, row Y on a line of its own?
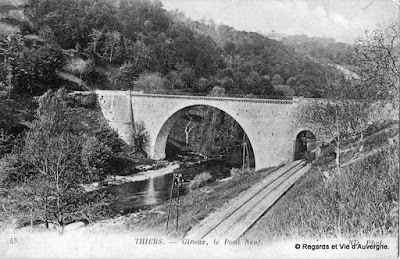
column 95, row 155
column 237, row 172
column 87, row 100
column 199, row 180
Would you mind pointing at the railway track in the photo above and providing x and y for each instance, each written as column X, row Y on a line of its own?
column 233, row 219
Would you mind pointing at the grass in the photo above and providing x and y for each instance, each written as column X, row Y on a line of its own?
column 194, row 206
column 360, row 202
column 6, row 29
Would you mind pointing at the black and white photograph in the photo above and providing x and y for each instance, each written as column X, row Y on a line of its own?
column 199, row 128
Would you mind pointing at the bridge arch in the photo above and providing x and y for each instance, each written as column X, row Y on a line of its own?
column 305, row 143
column 160, row 142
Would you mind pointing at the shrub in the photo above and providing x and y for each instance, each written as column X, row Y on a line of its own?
column 199, row 180
column 139, row 138
column 237, row 171
column 95, row 155
column 89, row 100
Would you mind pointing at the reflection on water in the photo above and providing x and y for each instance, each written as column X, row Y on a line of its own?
column 151, row 196
column 130, row 197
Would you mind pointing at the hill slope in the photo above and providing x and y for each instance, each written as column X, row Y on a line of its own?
column 137, row 44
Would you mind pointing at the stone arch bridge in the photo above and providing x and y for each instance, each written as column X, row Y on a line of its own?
column 268, row 123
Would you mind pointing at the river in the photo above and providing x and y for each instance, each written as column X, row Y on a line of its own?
column 154, row 188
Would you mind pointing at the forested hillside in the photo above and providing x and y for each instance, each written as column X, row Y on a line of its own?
column 321, row 49
column 139, row 45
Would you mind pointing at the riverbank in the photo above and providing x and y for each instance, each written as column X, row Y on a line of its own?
column 141, row 176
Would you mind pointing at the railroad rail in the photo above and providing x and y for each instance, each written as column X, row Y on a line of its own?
column 233, row 219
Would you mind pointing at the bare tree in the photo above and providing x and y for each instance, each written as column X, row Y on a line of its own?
column 188, row 129
column 377, row 57
column 50, row 154
column 342, row 115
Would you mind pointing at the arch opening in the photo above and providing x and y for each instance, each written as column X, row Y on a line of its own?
column 305, row 145
column 206, row 131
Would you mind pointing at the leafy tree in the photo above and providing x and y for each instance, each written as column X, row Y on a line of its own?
column 203, row 85
column 105, row 46
column 150, row 82
column 175, row 80
column 291, row 81
column 125, row 76
column 140, row 138
column 217, row 91
column 187, row 75
column 139, row 53
column 277, row 80
column 94, row 47
column 227, row 83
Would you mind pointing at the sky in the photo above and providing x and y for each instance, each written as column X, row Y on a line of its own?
column 344, row 20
